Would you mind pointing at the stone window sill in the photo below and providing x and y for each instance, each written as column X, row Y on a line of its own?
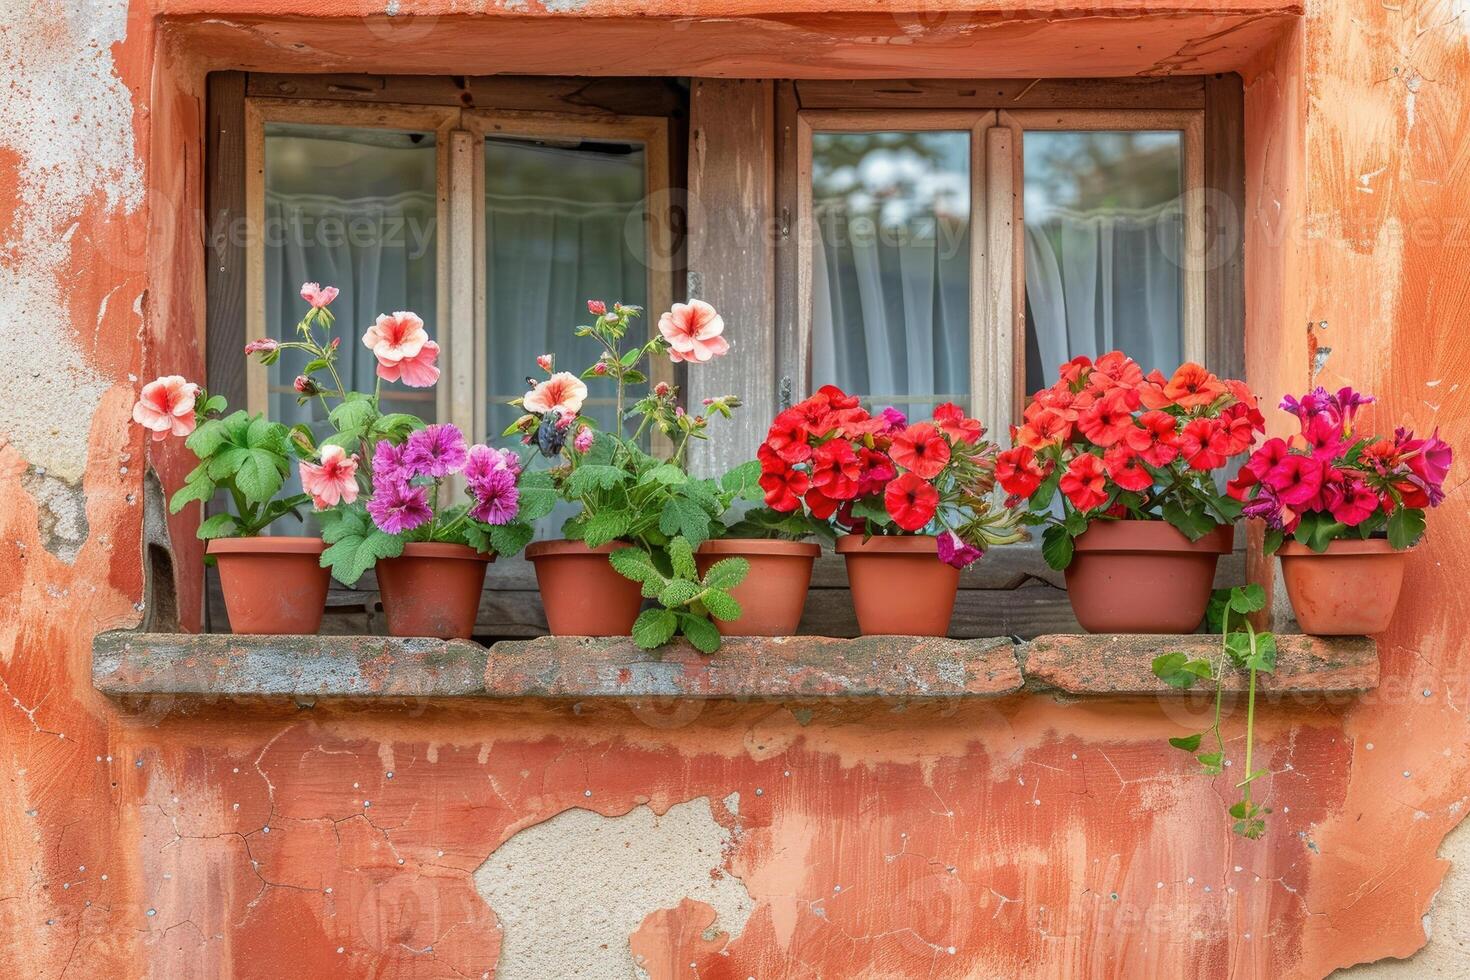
column 746, row 668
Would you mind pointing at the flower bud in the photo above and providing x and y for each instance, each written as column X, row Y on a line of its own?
column 662, row 389
column 596, row 307
column 305, row 385
column 545, row 361
column 264, row 345
column 599, row 368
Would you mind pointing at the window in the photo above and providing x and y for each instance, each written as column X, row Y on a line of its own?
column 946, row 254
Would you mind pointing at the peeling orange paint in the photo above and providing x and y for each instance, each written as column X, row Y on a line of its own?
column 1028, row 837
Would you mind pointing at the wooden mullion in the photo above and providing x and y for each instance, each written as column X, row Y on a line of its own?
column 225, row 265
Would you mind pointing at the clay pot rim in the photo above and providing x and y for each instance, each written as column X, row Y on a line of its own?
column 888, row 544
column 443, row 549
column 1372, row 546
column 1157, row 536
column 760, row 546
column 265, row 545
column 565, row 546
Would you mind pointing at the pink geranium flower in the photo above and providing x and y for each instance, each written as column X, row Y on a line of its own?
column 317, row 295
column 693, row 331
column 563, row 393
column 333, row 481
column 166, row 407
column 403, row 349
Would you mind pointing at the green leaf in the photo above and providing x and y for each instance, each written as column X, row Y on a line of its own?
column 683, row 516
column 743, row 480
column 1041, row 497
column 1213, row 762
column 678, row 592
column 1264, row 659
column 1405, row 527
column 721, row 604
column 1274, row 538
column 1192, row 523
column 726, row 573
column 1186, row 742
column 354, row 413
column 219, row 526
column 667, row 474
column 681, row 557
column 595, row 476
column 1238, row 647
column 260, row 475
column 701, row 632
column 510, row 539
column 605, row 527
column 394, row 426
column 264, row 434
column 634, row 563
column 1075, row 523
column 206, row 440
column 201, row 489
column 1177, row 670
column 654, row 628
column 225, row 462
column 1247, row 598
column 355, row 544
column 1056, row 546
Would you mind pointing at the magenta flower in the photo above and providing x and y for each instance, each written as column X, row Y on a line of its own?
column 1263, row 460
column 1350, row 501
column 436, row 450
column 955, row 551
column 484, row 460
column 582, row 441
column 1296, row 479
column 1323, row 435
column 896, row 421
column 389, row 466
column 1429, row 460
column 400, row 507
column 496, row 497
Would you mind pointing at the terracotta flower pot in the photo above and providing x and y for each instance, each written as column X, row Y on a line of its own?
column 1351, row 589
column 272, row 585
column 433, row 589
column 773, row 595
column 581, row 591
column 899, row 585
column 1143, row 576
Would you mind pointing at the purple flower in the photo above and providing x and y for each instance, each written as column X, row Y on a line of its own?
column 400, row 507
column 496, row 497
column 1348, row 403
column 955, row 551
column 1265, row 505
column 1429, row 462
column 483, row 460
column 896, row 420
column 436, row 450
column 389, row 467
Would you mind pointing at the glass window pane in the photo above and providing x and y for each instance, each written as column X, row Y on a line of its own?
column 891, row 266
column 563, row 224
column 1104, row 233
column 352, row 208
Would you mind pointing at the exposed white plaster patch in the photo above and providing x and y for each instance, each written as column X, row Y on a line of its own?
column 67, row 118
column 570, row 892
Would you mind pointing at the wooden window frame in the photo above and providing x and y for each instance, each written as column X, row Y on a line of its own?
column 997, row 368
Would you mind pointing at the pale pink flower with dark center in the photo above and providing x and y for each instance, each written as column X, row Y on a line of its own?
column 333, row 481
column 403, row 349
column 317, row 295
column 166, row 407
column 693, row 331
column 563, row 393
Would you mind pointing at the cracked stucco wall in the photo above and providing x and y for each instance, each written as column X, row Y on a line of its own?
column 571, row 891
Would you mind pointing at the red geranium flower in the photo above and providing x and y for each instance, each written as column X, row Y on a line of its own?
column 821, row 505
column 952, row 422
column 788, row 436
column 877, row 470
column 1116, row 370
column 1154, row 438
column 1048, row 428
column 1108, row 420
column 1240, row 487
column 1203, row 444
column 1193, row 387
column 1239, row 425
column 1084, row 481
column 1151, row 392
column 1076, row 370
column 922, row 449
column 784, row 489
column 1018, row 471
column 910, row 501
column 837, row 398
column 1126, row 469
column 836, row 469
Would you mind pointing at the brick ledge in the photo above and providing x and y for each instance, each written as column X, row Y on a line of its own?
column 747, row 668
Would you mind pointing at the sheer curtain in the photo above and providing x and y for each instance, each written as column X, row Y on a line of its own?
column 891, row 314
column 563, row 224
column 1104, row 281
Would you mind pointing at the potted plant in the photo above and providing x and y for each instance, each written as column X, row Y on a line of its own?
column 271, row 585
column 1140, row 524
column 775, row 546
column 392, row 504
column 1342, row 512
column 912, row 501
column 639, row 516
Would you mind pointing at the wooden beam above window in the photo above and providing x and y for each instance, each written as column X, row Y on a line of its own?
column 516, row 93
column 1164, row 92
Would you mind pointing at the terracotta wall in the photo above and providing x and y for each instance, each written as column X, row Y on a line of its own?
column 1021, row 838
